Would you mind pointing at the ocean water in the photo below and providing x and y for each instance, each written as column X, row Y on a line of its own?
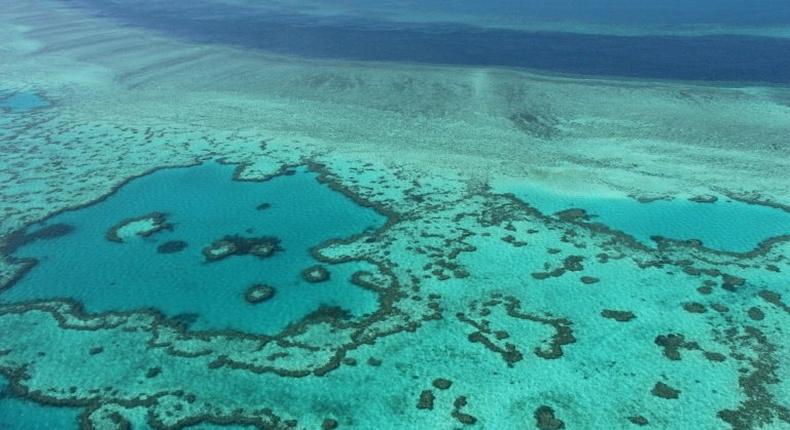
column 725, row 225
column 668, row 14
column 407, row 149
column 203, row 204
column 18, row 414
column 725, row 57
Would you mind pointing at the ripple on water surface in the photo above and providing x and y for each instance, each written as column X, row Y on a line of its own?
column 146, row 244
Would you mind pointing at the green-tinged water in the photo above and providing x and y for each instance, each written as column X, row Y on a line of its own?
column 360, row 215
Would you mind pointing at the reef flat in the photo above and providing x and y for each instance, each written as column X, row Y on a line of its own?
column 450, row 299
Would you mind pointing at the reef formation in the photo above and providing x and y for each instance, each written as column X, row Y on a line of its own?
column 466, row 305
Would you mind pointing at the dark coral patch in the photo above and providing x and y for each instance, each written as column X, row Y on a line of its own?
column 756, row 314
column 731, row 282
column 774, row 299
column 620, row 316
column 673, row 343
column 761, row 407
column 329, row 314
column 509, row 353
column 714, row 356
column 638, row 420
column 462, row 417
column 426, row 400
column 694, row 308
column 573, row 215
column 186, row 319
column 664, row 391
column 261, row 247
column 546, row 420
column 720, row 308
column 573, row 263
column 171, row 247
column 153, row 372
column 442, row 383
column 19, row 238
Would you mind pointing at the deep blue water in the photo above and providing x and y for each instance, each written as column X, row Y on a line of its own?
column 731, row 58
column 665, row 13
column 203, row 204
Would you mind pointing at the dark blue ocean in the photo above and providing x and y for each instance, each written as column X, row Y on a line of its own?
column 717, row 57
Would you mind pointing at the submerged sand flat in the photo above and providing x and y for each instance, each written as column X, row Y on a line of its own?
column 487, row 314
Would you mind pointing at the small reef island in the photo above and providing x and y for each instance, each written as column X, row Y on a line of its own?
column 261, row 247
column 315, row 274
column 142, row 226
column 258, row 293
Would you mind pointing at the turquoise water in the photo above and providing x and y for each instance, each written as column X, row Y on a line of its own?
column 726, row 224
column 204, row 205
column 21, row 101
column 18, row 414
column 493, row 316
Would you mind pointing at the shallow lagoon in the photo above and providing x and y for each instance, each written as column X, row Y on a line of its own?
column 725, row 224
column 203, row 204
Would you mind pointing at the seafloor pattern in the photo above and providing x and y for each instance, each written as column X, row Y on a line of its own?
column 296, row 268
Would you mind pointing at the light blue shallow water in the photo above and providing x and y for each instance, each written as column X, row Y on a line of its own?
column 724, row 225
column 204, row 205
column 21, row 101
